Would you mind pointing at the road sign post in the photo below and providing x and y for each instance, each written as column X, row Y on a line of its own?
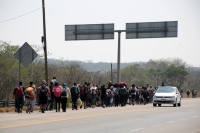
column 133, row 31
column 26, row 54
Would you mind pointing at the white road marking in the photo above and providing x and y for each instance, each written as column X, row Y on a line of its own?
column 183, row 119
column 194, row 116
column 170, row 122
column 137, row 129
column 157, row 125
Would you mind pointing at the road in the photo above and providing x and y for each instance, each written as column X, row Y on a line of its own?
column 129, row 119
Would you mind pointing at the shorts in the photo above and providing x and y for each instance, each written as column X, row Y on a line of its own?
column 93, row 98
column 29, row 100
column 111, row 100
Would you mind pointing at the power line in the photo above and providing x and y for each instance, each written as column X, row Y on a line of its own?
column 20, row 15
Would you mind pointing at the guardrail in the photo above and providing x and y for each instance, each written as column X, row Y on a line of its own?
column 10, row 103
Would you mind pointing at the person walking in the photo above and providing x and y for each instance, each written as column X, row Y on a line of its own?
column 116, row 93
column 74, row 94
column 43, row 93
column 64, row 96
column 103, row 95
column 93, row 90
column 52, row 101
column 30, row 95
column 132, row 94
column 188, row 93
column 83, row 94
column 19, row 93
column 57, row 95
column 122, row 93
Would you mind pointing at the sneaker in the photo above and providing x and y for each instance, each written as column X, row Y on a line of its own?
column 42, row 110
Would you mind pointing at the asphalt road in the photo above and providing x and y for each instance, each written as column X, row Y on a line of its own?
column 137, row 119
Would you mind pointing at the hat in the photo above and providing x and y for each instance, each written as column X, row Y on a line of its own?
column 56, row 84
column 44, row 82
column 64, row 85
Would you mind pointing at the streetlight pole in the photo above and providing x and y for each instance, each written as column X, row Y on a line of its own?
column 45, row 41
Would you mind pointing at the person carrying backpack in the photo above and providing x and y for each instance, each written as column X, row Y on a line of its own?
column 83, row 94
column 188, row 93
column 43, row 93
column 111, row 96
column 116, row 95
column 64, row 96
column 74, row 94
column 19, row 95
column 132, row 93
column 30, row 94
column 93, row 94
column 108, row 96
column 57, row 95
column 51, row 102
column 122, row 93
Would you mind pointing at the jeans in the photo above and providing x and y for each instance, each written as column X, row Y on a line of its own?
column 107, row 101
column 64, row 102
column 116, row 101
column 74, row 103
column 57, row 100
column 122, row 99
column 20, row 104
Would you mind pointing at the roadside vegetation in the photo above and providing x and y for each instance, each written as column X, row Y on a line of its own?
column 173, row 72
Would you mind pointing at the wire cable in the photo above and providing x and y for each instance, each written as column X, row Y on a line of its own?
column 20, row 15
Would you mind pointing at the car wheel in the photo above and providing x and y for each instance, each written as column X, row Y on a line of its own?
column 154, row 104
column 159, row 104
column 175, row 105
column 179, row 104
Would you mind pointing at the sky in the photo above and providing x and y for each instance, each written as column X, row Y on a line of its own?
column 29, row 28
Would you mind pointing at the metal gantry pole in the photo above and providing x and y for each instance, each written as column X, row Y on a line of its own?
column 45, row 41
column 118, row 59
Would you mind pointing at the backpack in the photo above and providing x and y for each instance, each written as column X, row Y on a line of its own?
column 30, row 92
column 43, row 92
column 57, row 91
column 83, row 90
column 19, row 92
column 93, row 90
column 64, row 93
column 132, row 91
column 122, row 92
column 116, row 93
column 74, row 91
column 109, row 94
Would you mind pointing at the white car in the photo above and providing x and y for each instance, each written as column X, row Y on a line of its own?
column 167, row 95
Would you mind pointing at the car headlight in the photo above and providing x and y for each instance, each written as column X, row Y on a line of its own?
column 172, row 96
column 154, row 97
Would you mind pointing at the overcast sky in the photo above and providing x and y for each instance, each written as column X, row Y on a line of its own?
column 29, row 28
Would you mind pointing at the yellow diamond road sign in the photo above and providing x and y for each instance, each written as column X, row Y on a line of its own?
column 26, row 54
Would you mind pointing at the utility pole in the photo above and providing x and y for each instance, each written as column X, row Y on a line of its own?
column 111, row 73
column 45, row 41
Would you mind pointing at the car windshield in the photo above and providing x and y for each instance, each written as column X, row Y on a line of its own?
column 166, row 90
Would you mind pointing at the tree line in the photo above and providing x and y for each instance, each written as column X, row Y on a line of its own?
column 173, row 72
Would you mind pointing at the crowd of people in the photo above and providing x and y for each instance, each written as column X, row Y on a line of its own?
column 88, row 95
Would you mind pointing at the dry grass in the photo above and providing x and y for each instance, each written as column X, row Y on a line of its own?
column 185, row 95
column 12, row 108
